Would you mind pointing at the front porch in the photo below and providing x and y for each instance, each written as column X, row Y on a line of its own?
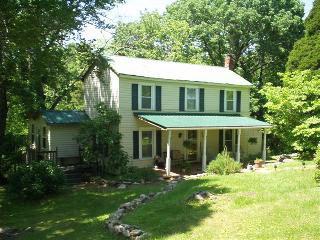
column 196, row 140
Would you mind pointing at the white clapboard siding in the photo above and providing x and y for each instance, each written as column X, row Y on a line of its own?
column 64, row 138
column 101, row 86
column 170, row 103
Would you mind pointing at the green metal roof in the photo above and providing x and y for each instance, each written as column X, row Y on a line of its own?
column 201, row 121
column 64, row 117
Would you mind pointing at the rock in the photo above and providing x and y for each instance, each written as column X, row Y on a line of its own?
column 126, row 233
column 151, row 194
column 135, row 232
column 129, row 231
column 201, row 195
column 142, row 236
column 143, row 198
column 136, row 183
column 198, row 197
column 122, row 186
column 118, row 228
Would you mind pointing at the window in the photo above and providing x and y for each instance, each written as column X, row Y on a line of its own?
column 192, row 99
column 146, row 144
column 228, row 140
column 32, row 134
column 146, row 97
column 230, row 101
column 44, row 137
column 38, row 139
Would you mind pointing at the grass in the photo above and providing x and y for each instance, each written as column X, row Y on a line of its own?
column 278, row 205
column 74, row 214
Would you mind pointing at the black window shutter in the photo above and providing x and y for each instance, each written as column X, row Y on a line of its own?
column 158, row 142
column 135, row 144
column 238, row 101
column 221, row 141
column 158, row 98
column 134, row 95
column 181, row 99
column 201, row 100
column 221, row 100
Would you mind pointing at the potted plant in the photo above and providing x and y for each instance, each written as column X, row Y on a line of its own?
column 258, row 163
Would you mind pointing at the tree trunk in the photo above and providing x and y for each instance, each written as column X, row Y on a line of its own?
column 3, row 110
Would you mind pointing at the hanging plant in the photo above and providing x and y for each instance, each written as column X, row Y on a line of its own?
column 252, row 140
column 190, row 144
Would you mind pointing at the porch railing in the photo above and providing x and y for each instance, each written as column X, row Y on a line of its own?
column 36, row 155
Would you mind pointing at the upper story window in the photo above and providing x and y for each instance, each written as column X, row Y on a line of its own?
column 32, row 134
column 230, row 101
column 192, row 99
column 146, row 97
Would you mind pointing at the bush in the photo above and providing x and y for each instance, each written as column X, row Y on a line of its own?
column 224, row 164
column 35, row 180
column 100, row 141
column 317, row 160
column 136, row 174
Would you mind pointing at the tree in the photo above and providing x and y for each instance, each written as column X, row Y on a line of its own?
column 259, row 34
column 32, row 40
column 294, row 110
column 305, row 53
column 101, row 140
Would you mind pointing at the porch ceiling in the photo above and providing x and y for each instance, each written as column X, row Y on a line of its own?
column 201, row 121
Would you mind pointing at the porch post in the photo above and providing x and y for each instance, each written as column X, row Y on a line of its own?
column 168, row 159
column 238, row 147
column 204, row 152
column 264, row 149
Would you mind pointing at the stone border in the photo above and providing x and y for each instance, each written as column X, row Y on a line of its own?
column 114, row 224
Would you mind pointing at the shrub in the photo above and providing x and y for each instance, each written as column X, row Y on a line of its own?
column 101, row 141
column 317, row 160
column 224, row 164
column 137, row 174
column 35, row 180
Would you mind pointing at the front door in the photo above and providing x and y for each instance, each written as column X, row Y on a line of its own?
column 192, row 148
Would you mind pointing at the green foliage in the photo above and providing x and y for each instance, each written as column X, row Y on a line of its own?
column 305, row 53
column 312, row 22
column 36, row 180
column 100, row 140
column 294, row 110
column 317, row 161
column 38, row 70
column 259, row 34
column 224, row 164
column 136, row 174
column 249, row 159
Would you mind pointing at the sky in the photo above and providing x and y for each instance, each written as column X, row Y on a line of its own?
column 131, row 11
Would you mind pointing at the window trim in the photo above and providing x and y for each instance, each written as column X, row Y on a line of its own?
column 232, row 140
column 33, row 133
column 153, row 96
column 146, row 129
column 234, row 100
column 44, row 137
column 186, row 98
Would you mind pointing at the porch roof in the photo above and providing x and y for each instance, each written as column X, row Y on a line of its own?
column 188, row 121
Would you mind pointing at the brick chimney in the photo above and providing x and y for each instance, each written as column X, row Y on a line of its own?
column 229, row 62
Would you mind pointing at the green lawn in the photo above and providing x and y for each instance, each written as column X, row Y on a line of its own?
column 74, row 214
column 276, row 205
